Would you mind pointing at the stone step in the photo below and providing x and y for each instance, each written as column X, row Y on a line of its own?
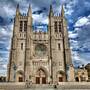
column 62, row 86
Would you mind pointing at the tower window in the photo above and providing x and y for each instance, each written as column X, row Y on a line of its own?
column 60, row 63
column 55, row 26
column 59, row 47
column 25, row 25
column 21, row 25
column 21, row 46
column 60, row 27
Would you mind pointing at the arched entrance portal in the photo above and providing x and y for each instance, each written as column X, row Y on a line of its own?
column 61, row 76
column 41, row 77
column 20, row 76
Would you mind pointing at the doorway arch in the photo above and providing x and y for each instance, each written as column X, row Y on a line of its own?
column 41, row 76
column 60, row 76
column 20, row 76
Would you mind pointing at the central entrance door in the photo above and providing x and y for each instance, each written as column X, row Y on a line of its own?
column 41, row 77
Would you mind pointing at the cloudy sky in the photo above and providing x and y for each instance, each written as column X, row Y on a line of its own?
column 77, row 14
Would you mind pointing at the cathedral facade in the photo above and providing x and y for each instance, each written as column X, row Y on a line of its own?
column 38, row 56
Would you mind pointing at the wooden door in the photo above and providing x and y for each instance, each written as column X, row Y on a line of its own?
column 37, row 80
column 43, row 80
column 20, row 79
column 60, row 79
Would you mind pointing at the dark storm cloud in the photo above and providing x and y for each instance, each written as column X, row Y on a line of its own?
column 42, row 10
column 5, row 21
column 77, row 63
column 79, row 9
column 1, row 20
column 3, row 47
column 82, row 8
column 38, row 12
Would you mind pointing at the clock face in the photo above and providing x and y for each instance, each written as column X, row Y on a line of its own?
column 40, row 50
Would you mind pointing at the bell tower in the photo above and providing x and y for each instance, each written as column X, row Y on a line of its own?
column 13, row 52
column 58, row 45
column 18, row 48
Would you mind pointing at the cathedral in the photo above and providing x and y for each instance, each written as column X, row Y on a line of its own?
column 38, row 56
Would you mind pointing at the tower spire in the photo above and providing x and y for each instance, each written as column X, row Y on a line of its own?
column 51, row 11
column 17, row 10
column 29, row 11
column 62, row 11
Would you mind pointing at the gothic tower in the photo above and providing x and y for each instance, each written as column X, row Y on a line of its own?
column 39, row 56
column 59, row 45
column 16, row 66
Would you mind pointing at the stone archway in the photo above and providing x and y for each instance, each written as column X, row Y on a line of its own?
column 41, row 76
column 20, row 76
column 60, row 76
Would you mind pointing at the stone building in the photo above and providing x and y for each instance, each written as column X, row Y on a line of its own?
column 81, row 74
column 41, row 57
column 87, row 67
column 2, row 78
